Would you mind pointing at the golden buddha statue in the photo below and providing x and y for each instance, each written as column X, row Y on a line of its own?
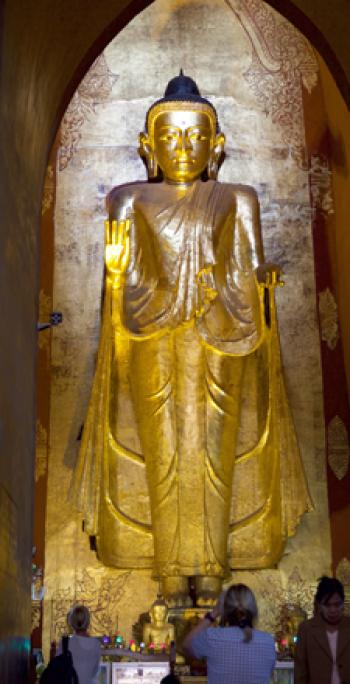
column 189, row 462
column 159, row 632
column 291, row 618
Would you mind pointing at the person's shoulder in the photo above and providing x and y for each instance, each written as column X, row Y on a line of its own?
column 345, row 623
column 264, row 637
column 212, row 633
column 94, row 643
column 87, row 642
column 224, row 633
column 123, row 194
column 207, row 632
column 305, row 625
column 238, row 190
column 97, row 645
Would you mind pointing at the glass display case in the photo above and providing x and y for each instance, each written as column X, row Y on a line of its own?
column 150, row 672
column 104, row 675
column 283, row 672
column 140, row 672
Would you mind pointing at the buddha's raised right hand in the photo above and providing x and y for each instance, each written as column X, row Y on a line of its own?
column 117, row 250
column 269, row 275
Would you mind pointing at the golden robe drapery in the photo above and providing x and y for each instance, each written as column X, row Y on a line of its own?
column 189, row 462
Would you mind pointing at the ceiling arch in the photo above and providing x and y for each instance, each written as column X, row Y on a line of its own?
column 326, row 33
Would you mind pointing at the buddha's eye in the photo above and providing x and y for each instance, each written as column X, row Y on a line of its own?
column 198, row 137
column 168, row 137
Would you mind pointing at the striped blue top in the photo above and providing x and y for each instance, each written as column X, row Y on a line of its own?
column 230, row 660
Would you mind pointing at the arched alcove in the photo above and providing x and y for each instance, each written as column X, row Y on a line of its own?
column 307, row 19
column 271, row 71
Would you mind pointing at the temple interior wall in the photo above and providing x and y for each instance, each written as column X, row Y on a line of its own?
column 236, row 58
column 338, row 118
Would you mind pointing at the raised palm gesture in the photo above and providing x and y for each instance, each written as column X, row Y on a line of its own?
column 117, row 249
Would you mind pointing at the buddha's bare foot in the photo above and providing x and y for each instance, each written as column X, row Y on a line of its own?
column 208, row 590
column 175, row 591
column 206, row 602
column 179, row 601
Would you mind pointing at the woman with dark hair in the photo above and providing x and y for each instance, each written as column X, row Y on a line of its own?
column 323, row 646
column 236, row 653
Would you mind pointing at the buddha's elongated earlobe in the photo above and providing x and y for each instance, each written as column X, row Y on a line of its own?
column 146, row 151
column 215, row 155
column 152, row 165
column 213, row 167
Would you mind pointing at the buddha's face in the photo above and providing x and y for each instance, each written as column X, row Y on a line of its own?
column 159, row 614
column 182, row 144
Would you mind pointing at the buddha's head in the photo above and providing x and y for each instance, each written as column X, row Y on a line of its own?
column 182, row 136
column 159, row 612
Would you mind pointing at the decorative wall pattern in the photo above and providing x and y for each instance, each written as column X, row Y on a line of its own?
column 328, row 312
column 101, row 596
column 94, row 89
column 297, row 592
column 321, row 157
column 282, row 62
column 321, row 184
column 36, row 615
column 343, row 574
column 338, row 447
column 343, row 571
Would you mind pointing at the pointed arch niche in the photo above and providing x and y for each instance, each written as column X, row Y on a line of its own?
column 277, row 105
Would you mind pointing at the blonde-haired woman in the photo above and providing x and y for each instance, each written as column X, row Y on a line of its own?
column 85, row 650
column 236, row 653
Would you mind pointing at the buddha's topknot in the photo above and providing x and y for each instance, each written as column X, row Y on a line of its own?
column 182, row 89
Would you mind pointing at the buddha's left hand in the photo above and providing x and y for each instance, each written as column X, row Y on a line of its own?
column 269, row 275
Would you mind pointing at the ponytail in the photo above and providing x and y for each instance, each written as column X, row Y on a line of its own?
column 246, row 626
column 240, row 609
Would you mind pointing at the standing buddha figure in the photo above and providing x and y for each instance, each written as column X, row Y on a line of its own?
column 189, row 463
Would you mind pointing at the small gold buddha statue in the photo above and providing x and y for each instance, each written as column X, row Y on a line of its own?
column 159, row 633
column 295, row 615
column 189, row 463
